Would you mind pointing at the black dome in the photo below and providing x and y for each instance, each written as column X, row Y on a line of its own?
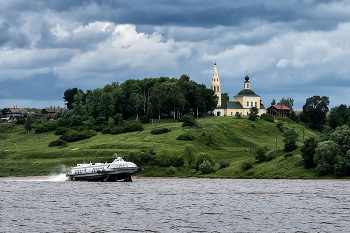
column 246, row 92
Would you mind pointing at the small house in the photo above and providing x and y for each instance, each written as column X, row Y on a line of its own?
column 279, row 111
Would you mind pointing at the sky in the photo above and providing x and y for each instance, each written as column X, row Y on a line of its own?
column 292, row 48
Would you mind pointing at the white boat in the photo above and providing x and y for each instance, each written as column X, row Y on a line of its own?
column 117, row 170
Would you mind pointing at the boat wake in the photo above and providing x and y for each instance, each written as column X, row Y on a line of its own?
column 60, row 177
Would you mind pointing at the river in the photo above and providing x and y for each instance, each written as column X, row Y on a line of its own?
column 174, row 205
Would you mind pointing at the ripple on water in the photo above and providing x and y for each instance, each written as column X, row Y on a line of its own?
column 174, row 205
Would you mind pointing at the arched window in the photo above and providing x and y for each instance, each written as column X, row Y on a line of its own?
column 218, row 88
column 214, row 88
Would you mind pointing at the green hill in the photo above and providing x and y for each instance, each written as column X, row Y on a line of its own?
column 225, row 138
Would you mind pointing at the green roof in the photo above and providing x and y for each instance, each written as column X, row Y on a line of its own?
column 247, row 92
column 230, row 105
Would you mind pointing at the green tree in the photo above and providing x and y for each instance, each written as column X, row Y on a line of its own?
column 342, row 167
column 308, row 152
column 289, row 140
column 338, row 116
column 78, row 108
column 273, row 102
column 341, row 136
column 158, row 98
column 253, row 113
column 28, row 125
column 315, row 110
column 286, row 102
column 225, row 97
column 137, row 101
column 69, row 94
column 294, row 116
column 189, row 154
column 325, row 157
column 4, row 110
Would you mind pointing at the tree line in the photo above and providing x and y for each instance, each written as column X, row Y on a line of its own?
column 150, row 97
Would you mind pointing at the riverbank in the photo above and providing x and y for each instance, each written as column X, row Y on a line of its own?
column 226, row 139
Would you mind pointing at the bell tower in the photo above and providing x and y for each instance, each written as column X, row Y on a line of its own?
column 215, row 84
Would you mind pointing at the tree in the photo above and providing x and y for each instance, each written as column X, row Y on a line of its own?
column 315, row 110
column 289, row 140
column 137, row 101
column 225, row 97
column 308, row 152
column 325, row 157
column 342, row 167
column 78, row 108
column 341, row 136
column 28, row 125
column 189, row 154
column 69, row 94
column 4, row 110
column 338, row 116
column 286, row 102
column 158, row 98
column 294, row 116
column 273, row 102
column 253, row 113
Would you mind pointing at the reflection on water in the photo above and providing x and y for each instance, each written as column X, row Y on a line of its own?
column 174, row 205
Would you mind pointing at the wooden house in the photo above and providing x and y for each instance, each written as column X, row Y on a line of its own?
column 279, row 111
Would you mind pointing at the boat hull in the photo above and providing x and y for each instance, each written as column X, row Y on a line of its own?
column 113, row 175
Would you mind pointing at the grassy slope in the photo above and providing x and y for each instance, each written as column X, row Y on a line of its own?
column 225, row 138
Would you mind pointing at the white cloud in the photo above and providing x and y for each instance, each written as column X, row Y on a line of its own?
column 282, row 63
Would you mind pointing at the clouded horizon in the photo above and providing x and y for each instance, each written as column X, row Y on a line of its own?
column 294, row 49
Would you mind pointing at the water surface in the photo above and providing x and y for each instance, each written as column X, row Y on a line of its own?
column 174, row 205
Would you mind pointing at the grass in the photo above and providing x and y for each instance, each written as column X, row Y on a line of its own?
column 225, row 138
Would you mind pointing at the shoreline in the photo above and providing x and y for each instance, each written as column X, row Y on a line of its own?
column 158, row 177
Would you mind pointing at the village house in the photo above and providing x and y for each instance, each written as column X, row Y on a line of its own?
column 279, row 111
column 50, row 111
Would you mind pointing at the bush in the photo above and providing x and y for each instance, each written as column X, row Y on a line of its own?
column 223, row 164
column 290, row 138
column 74, row 135
column 201, row 157
column 238, row 115
column 117, row 130
column 193, row 171
column 280, row 126
column 260, row 155
column 58, row 142
column 188, row 120
column 176, row 159
column 186, row 136
column 61, row 130
column 166, row 157
column 186, row 117
column 20, row 121
column 131, row 126
column 63, row 122
column 76, row 120
column 171, row 170
column 270, row 155
column 160, row 131
column 46, row 127
column 206, row 167
column 144, row 119
column 267, row 117
column 246, row 165
column 106, row 129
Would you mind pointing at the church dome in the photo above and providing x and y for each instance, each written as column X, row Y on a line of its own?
column 246, row 92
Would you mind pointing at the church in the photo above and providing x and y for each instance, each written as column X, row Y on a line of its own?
column 242, row 102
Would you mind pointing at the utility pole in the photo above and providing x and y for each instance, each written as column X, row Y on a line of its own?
column 276, row 142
